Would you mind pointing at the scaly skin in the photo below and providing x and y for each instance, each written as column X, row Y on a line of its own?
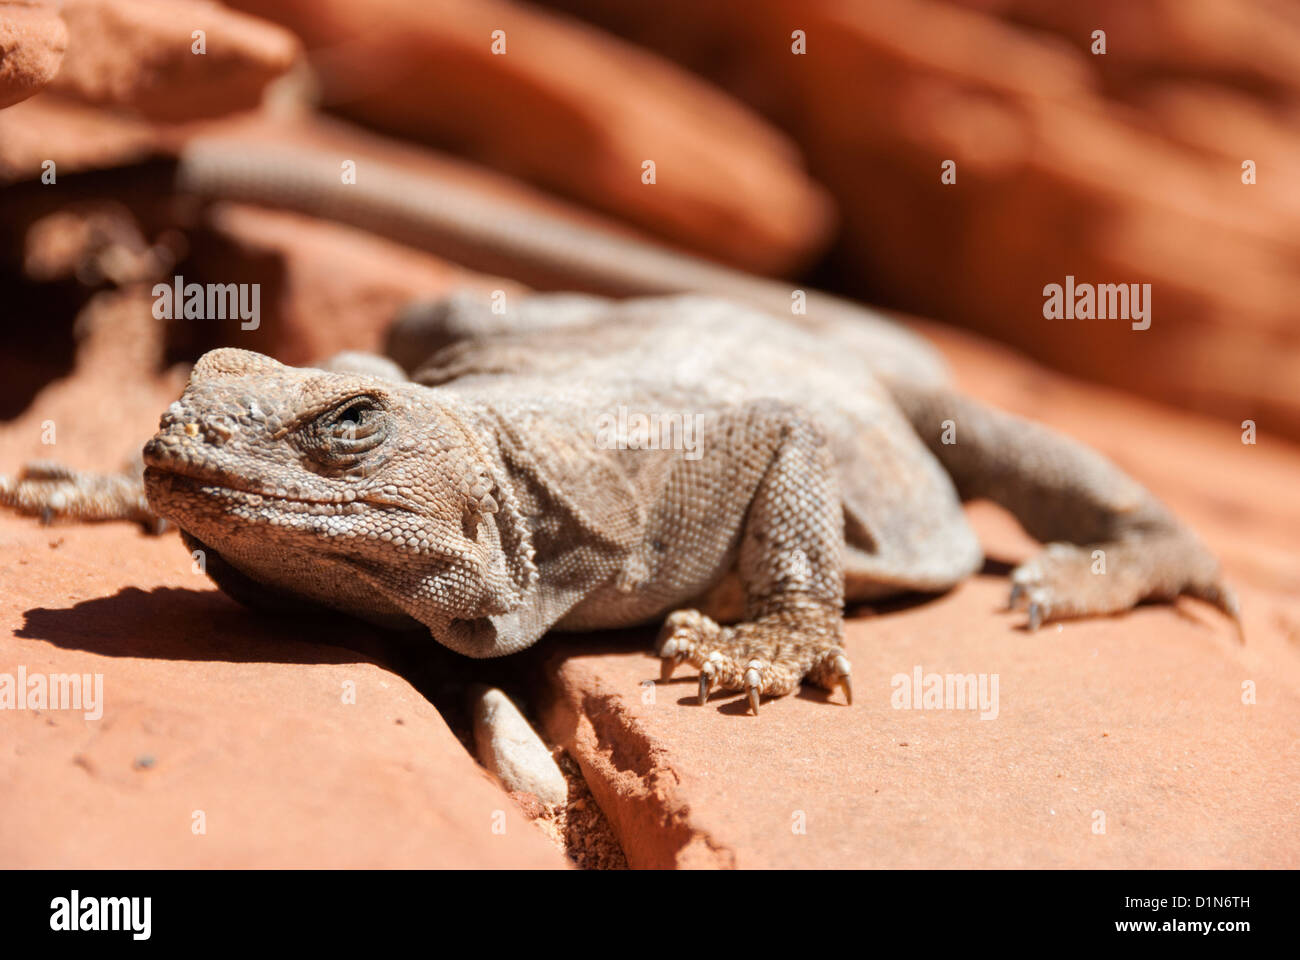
column 489, row 501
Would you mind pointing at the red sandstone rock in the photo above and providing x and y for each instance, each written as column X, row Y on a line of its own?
column 142, row 55
column 32, row 41
column 214, row 715
column 1141, row 720
column 573, row 110
column 75, row 136
column 1228, row 42
column 1122, row 168
column 129, row 62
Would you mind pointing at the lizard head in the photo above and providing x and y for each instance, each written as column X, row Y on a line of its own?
column 366, row 495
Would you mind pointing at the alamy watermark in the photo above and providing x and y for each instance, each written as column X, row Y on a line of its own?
column 209, row 301
column 1101, row 301
column 75, row 912
column 626, row 429
column 919, row 690
column 53, row 691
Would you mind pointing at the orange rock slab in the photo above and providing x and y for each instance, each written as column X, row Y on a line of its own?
column 218, row 719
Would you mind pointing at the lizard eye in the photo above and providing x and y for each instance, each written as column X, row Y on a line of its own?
column 357, row 417
column 341, row 436
column 355, row 411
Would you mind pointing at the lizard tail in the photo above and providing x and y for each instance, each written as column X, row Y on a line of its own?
column 487, row 233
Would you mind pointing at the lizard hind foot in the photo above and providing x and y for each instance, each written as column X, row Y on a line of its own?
column 1066, row 581
column 769, row 656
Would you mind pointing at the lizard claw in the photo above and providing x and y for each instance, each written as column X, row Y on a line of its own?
column 1017, row 594
column 1040, row 606
column 672, row 654
column 676, row 642
column 708, row 676
column 666, row 668
column 842, row 671
column 1037, row 611
column 669, row 665
column 752, row 679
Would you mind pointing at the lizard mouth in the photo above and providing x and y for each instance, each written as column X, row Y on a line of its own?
column 162, row 484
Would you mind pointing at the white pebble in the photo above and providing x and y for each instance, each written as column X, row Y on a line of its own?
column 508, row 746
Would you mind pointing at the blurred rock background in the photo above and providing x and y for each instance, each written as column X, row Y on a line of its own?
column 1122, row 167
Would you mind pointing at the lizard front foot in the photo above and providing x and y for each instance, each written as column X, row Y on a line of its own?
column 768, row 656
column 51, row 491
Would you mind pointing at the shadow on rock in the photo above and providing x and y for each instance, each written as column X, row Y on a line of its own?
column 175, row 623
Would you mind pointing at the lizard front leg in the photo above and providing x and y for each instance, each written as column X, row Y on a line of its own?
column 791, row 566
column 52, row 492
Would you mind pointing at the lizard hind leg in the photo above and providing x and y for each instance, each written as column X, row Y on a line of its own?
column 1110, row 544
